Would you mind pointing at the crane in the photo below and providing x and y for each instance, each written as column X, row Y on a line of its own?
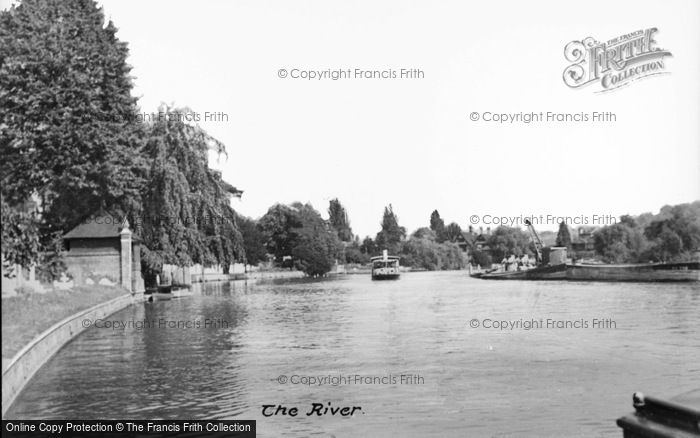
column 536, row 240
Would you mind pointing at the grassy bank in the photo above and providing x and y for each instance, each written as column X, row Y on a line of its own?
column 25, row 316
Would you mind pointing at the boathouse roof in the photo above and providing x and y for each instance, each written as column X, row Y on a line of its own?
column 101, row 225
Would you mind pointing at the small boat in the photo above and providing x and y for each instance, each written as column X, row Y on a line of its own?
column 167, row 292
column 162, row 292
column 160, row 289
column 385, row 267
column 652, row 417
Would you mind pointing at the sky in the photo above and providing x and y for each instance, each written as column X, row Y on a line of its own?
column 410, row 142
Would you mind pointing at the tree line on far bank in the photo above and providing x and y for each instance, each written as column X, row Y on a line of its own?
column 672, row 235
column 297, row 236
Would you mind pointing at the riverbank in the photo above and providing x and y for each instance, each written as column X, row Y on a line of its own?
column 253, row 275
column 25, row 316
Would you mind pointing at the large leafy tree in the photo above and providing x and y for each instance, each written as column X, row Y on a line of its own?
column 318, row 246
column 671, row 235
column 67, row 129
column 279, row 226
column 297, row 230
column 507, row 241
column 621, row 242
column 392, row 234
column 675, row 235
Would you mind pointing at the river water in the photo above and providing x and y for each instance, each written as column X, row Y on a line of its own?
column 523, row 380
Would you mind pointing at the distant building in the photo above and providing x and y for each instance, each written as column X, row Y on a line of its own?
column 471, row 240
column 583, row 239
column 103, row 250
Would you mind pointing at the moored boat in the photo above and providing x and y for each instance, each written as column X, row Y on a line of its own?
column 689, row 271
column 554, row 272
column 551, row 264
column 166, row 292
column 652, row 417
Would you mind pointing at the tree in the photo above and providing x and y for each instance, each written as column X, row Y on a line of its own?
column 675, row 235
column 20, row 238
column 391, row 234
column 279, row 227
column 67, row 128
column 426, row 253
column 424, row 233
column 338, row 219
column 437, row 225
column 671, row 235
column 453, row 232
column 507, row 241
column 299, row 231
column 186, row 216
column 620, row 243
column 563, row 236
column 368, row 246
column 355, row 254
column 668, row 245
column 253, row 241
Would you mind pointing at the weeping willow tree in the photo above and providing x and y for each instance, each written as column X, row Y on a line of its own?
column 185, row 216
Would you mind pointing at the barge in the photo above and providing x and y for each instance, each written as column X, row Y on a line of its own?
column 551, row 264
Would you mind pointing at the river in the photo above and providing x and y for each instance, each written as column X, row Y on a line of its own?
column 430, row 358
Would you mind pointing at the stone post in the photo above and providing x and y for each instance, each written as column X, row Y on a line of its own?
column 125, row 257
column 137, row 277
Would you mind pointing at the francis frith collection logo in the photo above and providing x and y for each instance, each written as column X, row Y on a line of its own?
column 616, row 62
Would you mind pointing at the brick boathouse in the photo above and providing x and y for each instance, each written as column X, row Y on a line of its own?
column 103, row 250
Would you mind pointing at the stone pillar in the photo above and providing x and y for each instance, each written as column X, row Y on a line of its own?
column 125, row 257
column 136, row 276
